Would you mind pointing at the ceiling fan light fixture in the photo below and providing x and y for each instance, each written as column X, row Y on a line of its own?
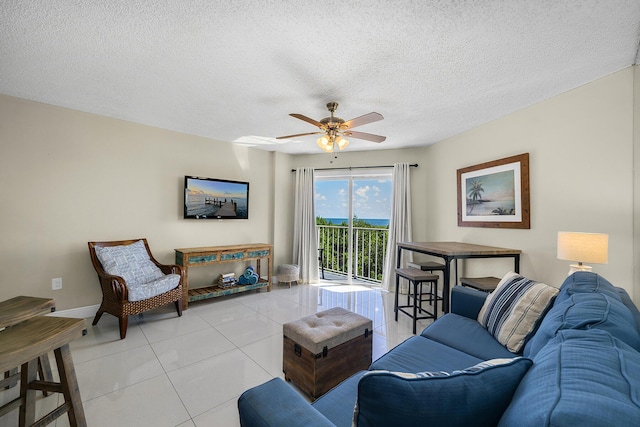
column 342, row 143
column 334, row 128
column 325, row 144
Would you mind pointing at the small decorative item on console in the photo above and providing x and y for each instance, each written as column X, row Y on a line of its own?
column 227, row 280
column 249, row 277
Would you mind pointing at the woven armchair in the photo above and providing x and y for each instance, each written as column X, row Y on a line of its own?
column 116, row 294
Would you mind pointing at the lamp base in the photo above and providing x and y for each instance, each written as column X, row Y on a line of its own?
column 578, row 267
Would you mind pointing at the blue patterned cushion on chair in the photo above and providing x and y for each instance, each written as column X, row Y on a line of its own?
column 512, row 312
column 132, row 263
column 474, row 396
column 144, row 291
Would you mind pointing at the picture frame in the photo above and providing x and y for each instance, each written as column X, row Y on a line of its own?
column 495, row 194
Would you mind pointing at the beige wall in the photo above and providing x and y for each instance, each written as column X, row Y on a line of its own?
column 70, row 177
column 581, row 166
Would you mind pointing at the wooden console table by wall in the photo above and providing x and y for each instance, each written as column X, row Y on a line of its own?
column 210, row 255
column 449, row 251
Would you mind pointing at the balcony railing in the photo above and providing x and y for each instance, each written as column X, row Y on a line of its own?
column 369, row 250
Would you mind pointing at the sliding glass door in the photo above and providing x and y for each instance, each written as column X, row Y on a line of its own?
column 352, row 217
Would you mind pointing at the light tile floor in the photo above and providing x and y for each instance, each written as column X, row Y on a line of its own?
column 189, row 371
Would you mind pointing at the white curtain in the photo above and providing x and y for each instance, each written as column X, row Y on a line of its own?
column 305, row 245
column 399, row 225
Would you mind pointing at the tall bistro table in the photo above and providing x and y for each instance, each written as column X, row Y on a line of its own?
column 449, row 251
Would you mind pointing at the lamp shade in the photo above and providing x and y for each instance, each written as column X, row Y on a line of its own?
column 325, row 143
column 583, row 247
column 342, row 143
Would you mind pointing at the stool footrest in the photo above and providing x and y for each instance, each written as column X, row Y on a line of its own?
column 56, row 413
column 8, row 407
column 46, row 386
column 428, row 314
column 10, row 381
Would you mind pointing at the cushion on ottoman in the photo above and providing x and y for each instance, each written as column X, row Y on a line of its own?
column 326, row 329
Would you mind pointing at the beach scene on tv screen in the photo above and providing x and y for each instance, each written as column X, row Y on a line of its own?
column 213, row 199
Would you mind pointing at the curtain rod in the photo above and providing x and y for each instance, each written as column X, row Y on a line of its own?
column 415, row 165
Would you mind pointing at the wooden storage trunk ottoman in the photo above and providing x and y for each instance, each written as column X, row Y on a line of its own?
column 323, row 349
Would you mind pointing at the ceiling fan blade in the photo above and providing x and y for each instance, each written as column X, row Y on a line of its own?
column 307, row 119
column 362, row 120
column 298, row 134
column 366, row 136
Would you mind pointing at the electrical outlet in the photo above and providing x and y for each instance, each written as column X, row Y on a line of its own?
column 56, row 283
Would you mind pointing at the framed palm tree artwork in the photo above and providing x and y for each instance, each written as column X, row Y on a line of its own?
column 495, row 194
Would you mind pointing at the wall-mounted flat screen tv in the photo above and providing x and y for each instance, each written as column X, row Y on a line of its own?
column 210, row 198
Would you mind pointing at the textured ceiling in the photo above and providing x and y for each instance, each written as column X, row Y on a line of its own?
column 234, row 70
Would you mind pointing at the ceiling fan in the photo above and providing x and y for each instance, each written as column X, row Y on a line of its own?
column 336, row 129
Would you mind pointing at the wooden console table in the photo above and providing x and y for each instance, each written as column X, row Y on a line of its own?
column 449, row 251
column 210, row 255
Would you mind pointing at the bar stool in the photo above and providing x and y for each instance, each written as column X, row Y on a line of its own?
column 416, row 278
column 484, row 284
column 16, row 310
column 21, row 345
column 429, row 266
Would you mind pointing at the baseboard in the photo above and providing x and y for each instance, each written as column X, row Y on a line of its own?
column 79, row 312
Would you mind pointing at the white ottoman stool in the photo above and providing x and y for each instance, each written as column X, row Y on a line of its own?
column 288, row 273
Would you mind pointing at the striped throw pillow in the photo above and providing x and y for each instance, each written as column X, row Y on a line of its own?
column 511, row 313
column 429, row 374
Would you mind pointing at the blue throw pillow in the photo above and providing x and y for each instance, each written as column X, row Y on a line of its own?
column 580, row 378
column 474, row 396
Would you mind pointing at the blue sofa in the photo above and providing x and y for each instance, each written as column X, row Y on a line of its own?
column 581, row 367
